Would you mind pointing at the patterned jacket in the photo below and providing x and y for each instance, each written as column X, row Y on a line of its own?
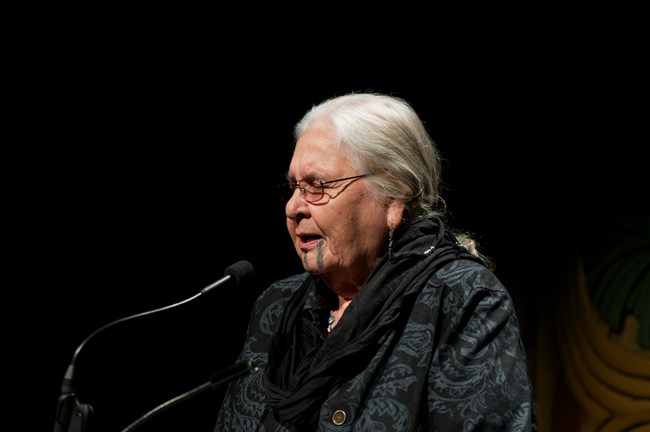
column 458, row 364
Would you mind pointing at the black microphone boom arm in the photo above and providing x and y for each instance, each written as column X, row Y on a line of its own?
column 217, row 380
column 72, row 416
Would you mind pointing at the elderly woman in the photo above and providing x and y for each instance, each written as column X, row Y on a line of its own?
column 397, row 323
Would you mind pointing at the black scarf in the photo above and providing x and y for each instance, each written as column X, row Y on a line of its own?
column 304, row 367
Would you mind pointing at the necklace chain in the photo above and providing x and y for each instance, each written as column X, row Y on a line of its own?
column 330, row 322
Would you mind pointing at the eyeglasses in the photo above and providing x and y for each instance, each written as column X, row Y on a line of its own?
column 312, row 190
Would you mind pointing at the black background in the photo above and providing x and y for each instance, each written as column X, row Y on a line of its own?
column 145, row 155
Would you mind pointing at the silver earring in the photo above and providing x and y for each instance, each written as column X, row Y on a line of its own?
column 390, row 241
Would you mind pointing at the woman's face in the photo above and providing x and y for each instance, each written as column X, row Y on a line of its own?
column 344, row 235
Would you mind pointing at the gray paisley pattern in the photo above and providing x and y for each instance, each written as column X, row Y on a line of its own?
column 458, row 365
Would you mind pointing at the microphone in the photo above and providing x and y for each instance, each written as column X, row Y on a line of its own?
column 72, row 416
column 236, row 272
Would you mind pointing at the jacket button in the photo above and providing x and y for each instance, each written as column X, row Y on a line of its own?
column 339, row 416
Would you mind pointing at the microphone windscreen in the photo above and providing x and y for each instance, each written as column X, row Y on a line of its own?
column 239, row 271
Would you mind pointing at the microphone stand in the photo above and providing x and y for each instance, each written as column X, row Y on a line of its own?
column 72, row 416
column 216, row 380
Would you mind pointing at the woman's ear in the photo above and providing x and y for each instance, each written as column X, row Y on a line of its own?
column 394, row 213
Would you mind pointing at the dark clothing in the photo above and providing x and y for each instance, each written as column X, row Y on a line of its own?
column 430, row 343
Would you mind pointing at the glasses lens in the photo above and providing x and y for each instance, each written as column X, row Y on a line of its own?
column 311, row 190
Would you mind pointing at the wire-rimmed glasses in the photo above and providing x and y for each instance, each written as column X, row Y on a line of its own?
column 312, row 190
